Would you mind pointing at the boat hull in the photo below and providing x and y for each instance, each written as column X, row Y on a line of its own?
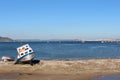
column 7, row 58
column 28, row 57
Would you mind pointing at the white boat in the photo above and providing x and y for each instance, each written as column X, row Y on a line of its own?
column 25, row 54
column 8, row 58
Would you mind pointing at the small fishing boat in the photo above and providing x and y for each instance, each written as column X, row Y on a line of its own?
column 7, row 58
column 25, row 54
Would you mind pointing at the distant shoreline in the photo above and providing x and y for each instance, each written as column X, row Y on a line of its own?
column 63, row 41
column 7, row 39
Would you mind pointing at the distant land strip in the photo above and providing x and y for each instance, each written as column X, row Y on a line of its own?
column 7, row 39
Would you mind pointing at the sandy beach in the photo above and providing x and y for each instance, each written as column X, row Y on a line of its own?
column 60, row 69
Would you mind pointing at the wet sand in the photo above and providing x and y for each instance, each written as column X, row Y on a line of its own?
column 60, row 69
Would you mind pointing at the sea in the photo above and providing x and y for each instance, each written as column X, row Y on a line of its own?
column 64, row 50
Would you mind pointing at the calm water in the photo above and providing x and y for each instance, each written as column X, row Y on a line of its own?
column 108, row 77
column 87, row 50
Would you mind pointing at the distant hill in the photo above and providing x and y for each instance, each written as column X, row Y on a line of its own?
column 6, row 39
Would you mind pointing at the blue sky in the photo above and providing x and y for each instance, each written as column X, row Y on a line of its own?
column 60, row 19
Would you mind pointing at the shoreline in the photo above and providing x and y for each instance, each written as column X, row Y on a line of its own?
column 61, row 69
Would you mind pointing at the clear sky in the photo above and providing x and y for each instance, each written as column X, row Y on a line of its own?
column 60, row 19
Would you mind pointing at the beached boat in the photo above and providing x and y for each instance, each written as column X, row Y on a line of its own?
column 8, row 58
column 25, row 54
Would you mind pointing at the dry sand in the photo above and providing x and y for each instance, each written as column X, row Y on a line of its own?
column 60, row 70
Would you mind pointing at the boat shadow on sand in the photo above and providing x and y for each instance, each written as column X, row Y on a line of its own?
column 32, row 62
